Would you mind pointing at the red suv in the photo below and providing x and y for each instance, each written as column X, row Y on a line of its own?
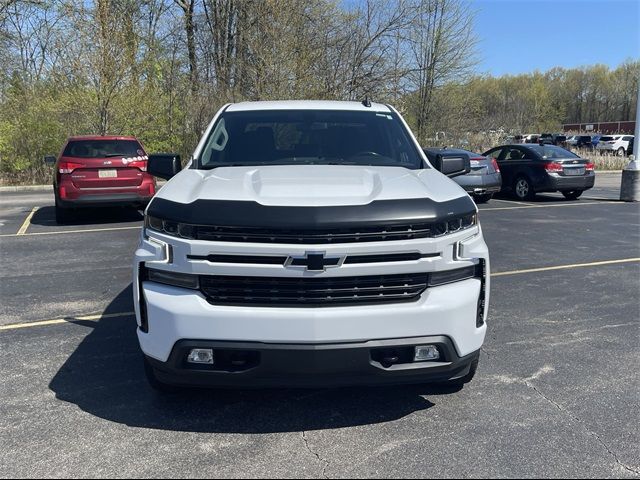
column 100, row 171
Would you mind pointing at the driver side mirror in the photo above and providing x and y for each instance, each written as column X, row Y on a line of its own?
column 453, row 166
column 164, row 165
column 50, row 160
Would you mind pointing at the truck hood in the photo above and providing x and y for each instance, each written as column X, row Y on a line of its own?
column 309, row 185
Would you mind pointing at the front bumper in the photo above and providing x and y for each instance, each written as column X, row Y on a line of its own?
column 258, row 365
column 168, row 316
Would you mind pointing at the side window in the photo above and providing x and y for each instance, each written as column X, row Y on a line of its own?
column 514, row 154
column 627, row 139
column 495, row 153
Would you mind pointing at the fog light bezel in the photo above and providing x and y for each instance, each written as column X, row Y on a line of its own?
column 193, row 360
column 420, row 358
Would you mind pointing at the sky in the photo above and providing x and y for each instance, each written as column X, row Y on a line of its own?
column 518, row 36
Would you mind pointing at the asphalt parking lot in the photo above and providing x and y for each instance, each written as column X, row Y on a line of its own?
column 557, row 393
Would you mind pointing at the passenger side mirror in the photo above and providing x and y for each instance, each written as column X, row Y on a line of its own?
column 50, row 160
column 164, row 165
column 453, row 166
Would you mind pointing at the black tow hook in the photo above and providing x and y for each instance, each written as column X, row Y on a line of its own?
column 389, row 361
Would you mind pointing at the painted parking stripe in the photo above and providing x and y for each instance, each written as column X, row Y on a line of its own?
column 97, row 317
column 511, row 202
column 63, row 232
column 27, row 221
column 565, row 267
column 58, row 321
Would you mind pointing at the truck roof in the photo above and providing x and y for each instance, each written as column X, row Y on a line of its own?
column 307, row 105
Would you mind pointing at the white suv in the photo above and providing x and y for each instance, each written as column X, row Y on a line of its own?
column 310, row 244
column 617, row 144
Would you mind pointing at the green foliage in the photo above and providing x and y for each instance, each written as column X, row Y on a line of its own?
column 123, row 67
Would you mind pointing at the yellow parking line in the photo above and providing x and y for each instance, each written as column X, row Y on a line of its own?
column 85, row 318
column 62, row 232
column 549, row 206
column 27, row 222
column 563, row 267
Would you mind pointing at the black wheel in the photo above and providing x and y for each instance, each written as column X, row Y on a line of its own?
column 572, row 194
column 483, row 198
column 522, row 189
column 621, row 151
column 156, row 384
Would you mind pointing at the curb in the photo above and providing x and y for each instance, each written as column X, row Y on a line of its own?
column 27, row 188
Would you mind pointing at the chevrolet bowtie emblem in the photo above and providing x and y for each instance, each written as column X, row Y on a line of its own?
column 314, row 261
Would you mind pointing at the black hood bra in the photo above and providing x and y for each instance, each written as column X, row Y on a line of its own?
column 253, row 214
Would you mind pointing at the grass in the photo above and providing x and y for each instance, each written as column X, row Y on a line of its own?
column 607, row 161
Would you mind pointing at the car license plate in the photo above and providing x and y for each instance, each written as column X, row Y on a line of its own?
column 574, row 171
column 107, row 173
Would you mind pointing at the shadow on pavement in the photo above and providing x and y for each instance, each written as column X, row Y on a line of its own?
column 105, row 377
column 46, row 217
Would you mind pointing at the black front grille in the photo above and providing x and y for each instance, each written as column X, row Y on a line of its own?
column 336, row 235
column 231, row 290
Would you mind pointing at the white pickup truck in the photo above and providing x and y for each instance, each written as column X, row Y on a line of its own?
column 310, row 244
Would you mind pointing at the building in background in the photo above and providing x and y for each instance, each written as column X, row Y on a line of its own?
column 628, row 127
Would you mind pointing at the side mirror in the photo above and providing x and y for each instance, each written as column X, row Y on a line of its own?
column 453, row 166
column 164, row 165
column 50, row 160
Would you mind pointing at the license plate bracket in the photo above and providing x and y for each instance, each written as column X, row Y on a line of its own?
column 108, row 173
column 574, row 172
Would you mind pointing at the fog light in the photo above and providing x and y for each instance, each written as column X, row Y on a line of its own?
column 425, row 353
column 201, row 356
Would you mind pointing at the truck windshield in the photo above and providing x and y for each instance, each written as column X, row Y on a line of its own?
column 309, row 137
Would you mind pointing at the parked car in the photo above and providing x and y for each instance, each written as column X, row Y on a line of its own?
column 617, row 144
column 559, row 140
column 545, row 139
column 484, row 178
column 94, row 171
column 580, row 141
column 531, row 138
column 313, row 258
column 530, row 169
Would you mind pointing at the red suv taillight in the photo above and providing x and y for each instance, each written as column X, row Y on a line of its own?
column 68, row 167
column 496, row 167
column 553, row 167
column 141, row 164
column 590, row 167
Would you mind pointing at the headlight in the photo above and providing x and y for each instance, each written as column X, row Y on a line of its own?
column 169, row 227
column 455, row 224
